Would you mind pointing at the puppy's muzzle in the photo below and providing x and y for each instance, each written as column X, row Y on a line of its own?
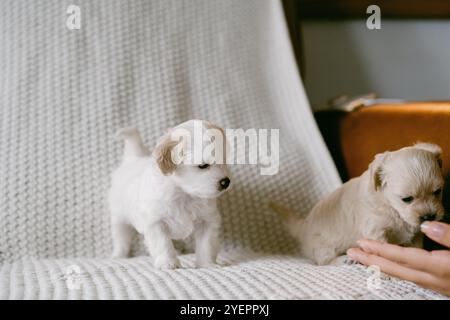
column 428, row 217
column 224, row 183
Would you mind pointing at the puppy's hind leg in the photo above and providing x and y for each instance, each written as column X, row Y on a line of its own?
column 122, row 235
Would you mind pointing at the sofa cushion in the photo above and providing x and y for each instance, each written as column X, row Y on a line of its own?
column 149, row 64
column 152, row 64
column 247, row 276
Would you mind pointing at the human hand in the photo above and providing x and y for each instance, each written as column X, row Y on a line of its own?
column 430, row 269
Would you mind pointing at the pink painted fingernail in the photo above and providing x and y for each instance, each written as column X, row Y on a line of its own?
column 433, row 229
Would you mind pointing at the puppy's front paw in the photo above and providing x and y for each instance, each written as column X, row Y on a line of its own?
column 163, row 262
column 343, row 260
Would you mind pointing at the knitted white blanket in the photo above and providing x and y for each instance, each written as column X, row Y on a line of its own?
column 153, row 64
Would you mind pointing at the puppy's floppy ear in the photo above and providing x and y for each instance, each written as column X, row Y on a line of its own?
column 376, row 170
column 163, row 154
column 214, row 126
column 433, row 148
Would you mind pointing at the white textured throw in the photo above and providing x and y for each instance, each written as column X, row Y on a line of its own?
column 153, row 64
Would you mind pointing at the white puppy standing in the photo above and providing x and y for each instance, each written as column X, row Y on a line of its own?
column 388, row 202
column 165, row 200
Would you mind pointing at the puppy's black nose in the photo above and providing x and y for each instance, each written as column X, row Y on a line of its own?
column 224, row 183
column 428, row 217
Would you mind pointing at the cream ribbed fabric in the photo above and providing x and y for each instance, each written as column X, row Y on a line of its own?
column 152, row 64
column 247, row 277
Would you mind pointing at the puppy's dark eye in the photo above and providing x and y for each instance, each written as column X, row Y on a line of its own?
column 437, row 192
column 204, row 166
column 407, row 199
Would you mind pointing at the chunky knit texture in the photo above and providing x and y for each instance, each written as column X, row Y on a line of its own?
column 152, row 64
column 247, row 277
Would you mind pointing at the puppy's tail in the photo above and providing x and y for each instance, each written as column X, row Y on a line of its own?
column 133, row 145
column 290, row 219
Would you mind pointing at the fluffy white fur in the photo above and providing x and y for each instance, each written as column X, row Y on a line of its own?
column 164, row 201
column 371, row 206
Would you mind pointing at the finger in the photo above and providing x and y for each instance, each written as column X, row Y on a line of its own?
column 392, row 268
column 414, row 258
column 438, row 231
column 421, row 278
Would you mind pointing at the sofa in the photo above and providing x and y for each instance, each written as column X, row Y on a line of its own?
column 67, row 88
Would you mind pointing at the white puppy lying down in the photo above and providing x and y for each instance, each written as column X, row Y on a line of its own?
column 388, row 202
column 163, row 201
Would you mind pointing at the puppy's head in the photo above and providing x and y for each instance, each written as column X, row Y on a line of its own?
column 410, row 179
column 192, row 155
